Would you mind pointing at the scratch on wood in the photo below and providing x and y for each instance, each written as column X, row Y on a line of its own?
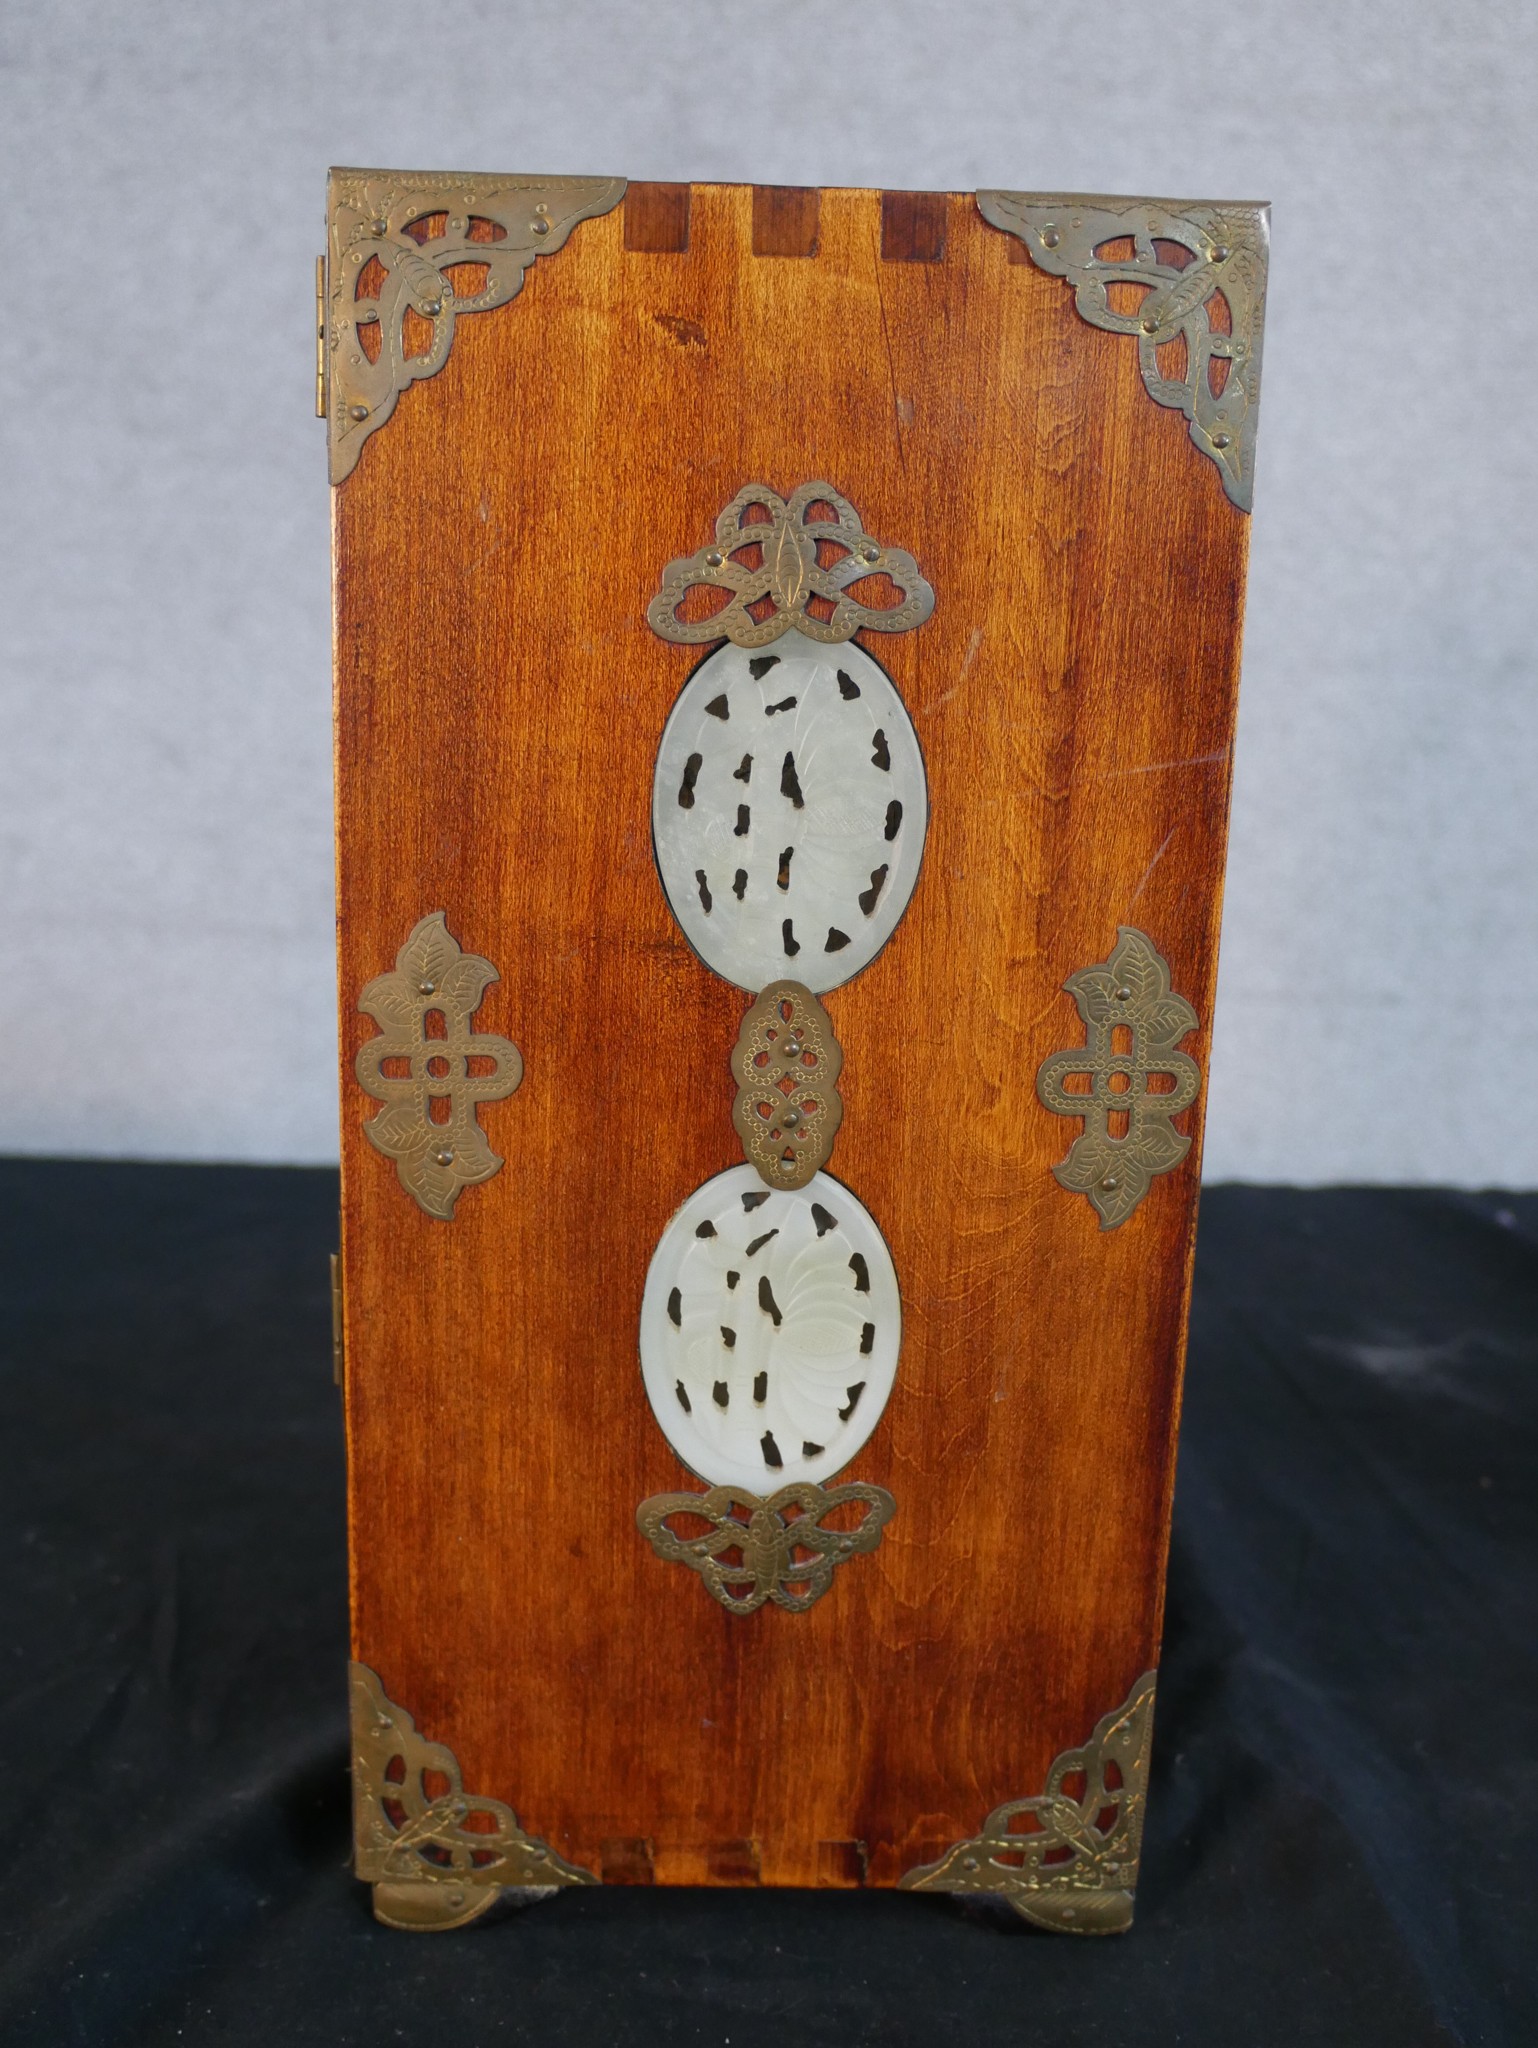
column 1143, row 884
column 891, row 366
column 967, row 660
column 1155, row 767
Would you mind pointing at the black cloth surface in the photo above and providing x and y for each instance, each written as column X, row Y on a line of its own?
column 1344, row 1811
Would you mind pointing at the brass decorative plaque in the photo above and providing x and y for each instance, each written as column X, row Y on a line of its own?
column 436, row 1158
column 790, row 566
column 778, row 1549
column 786, row 1063
column 1132, row 1025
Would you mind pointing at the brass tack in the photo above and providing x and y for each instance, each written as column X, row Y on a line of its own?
column 1109, row 1182
column 427, row 988
column 444, row 1158
column 1220, row 440
column 1220, row 254
column 790, row 1119
column 357, row 412
column 1124, row 995
column 1050, row 237
column 713, row 558
column 540, row 227
column 379, row 227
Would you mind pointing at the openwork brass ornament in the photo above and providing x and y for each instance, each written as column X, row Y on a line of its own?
column 789, row 565
column 408, row 252
column 1199, row 268
column 1128, row 1136
column 435, row 1161
column 766, row 1549
column 787, row 1062
column 436, row 1855
column 1066, row 1860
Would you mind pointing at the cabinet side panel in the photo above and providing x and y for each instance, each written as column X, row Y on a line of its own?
column 500, row 698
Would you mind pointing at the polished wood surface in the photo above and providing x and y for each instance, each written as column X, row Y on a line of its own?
column 499, row 700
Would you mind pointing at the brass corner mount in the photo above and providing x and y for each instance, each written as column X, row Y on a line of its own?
column 1066, row 1860
column 1198, row 268
column 436, row 1855
column 408, row 252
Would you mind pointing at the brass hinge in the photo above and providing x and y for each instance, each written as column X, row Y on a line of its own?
column 320, row 337
column 336, row 1318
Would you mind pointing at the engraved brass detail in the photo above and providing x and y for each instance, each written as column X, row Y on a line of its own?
column 435, row 1161
column 436, row 1855
column 1218, row 388
column 792, row 567
column 750, row 1556
column 419, row 227
column 786, row 1063
column 1068, row 1859
column 1130, row 991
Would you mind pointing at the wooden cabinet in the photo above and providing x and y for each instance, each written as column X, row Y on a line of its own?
column 1063, row 461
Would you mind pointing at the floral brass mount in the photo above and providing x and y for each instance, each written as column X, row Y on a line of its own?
column 789, row 566
column 1066, row 1860
column 419, row 227
column 436, row 1855
column 786, row 1064
column 435, row 1161
column 1225, row 247
column 772, row 1548
column 1128, row 992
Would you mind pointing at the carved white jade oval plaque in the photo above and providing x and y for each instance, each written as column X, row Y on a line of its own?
column 789, row 811
column 770, row 1329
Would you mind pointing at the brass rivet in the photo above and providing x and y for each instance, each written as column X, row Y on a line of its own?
column 870, row 554
column 1150, row 326
column 970, row 1863
column 1050, row 237
column 379, row 227
column 540, row 227
column 427, row 988
column 432, row 307
column 713, row 558
column 1221, row 255
column 1109, row 1182
column 445, row 1157
column 1124, row 995
column 357, row 412
column 790, row 1119
column 1220, row 440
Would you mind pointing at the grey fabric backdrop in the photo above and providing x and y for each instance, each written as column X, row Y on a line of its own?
column 165, row 769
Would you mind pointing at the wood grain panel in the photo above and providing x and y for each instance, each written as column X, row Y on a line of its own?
column 499, row 702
